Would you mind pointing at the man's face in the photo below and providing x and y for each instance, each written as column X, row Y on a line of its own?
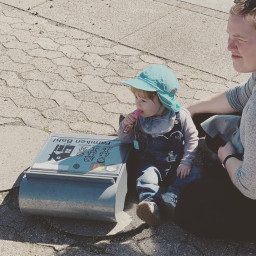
column 242, row 44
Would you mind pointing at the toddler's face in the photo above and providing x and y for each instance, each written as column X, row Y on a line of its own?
column 146, row 105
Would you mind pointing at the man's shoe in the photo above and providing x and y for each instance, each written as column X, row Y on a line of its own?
column 148, row 212
column 170, row 200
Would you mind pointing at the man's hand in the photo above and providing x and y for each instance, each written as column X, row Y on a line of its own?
column 183, row 171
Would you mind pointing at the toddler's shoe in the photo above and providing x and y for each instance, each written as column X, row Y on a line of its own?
column 148, row 212
column 170, row 200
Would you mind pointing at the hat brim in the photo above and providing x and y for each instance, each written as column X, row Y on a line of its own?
column 169, row 102
column 139, row 84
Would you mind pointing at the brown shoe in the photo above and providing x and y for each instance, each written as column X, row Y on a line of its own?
column 148, row 212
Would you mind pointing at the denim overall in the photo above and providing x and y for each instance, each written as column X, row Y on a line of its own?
column 157, row 157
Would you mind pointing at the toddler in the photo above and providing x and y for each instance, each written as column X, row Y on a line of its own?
column 165, row 141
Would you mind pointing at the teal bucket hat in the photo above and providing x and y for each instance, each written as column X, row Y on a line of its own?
column 160, row 79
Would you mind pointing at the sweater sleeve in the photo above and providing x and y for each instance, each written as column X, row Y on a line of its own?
column 190, row 137
column 125, row 137
column 238, row 96
column 245, row 175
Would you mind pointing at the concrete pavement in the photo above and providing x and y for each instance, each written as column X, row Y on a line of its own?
column 60, row 71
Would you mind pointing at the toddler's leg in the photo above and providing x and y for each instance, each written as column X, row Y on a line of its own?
column 171, row 196
column 147, row 184
column 149, row 195
column 179, row 183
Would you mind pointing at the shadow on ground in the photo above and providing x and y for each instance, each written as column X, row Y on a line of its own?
column 139, row 239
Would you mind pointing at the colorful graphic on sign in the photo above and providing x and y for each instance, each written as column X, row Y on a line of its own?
column 97, row 166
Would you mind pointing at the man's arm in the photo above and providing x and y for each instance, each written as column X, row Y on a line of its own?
column 217, row 104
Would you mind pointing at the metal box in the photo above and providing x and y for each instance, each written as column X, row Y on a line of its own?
column 77, row 176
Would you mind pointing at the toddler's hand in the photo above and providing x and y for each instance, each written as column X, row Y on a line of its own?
column 129, row 119
column 183, row 171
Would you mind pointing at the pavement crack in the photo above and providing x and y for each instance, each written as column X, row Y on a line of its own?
column 146, row 25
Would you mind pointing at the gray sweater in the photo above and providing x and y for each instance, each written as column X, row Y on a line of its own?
column 242, row 98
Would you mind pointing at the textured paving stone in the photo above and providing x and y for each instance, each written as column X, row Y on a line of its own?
column 71, row 51
column 62, row 61
column 90, row 96
column 56, row 126
column 11, row 79
column 204, row 85
column 38, row 89
column 95, row 60
column 44, row 53
column 13, row 92
column 151, row 59
column 67, row 86
column 139, row 66
column 6, row 38
column 25, row 36
column 8, row 108
column 200, row 95
column 11, row 121
column 18, row 55
column 64, row 115
column 186, row 92
column 124, row 50
column 95, row 113
column 20, row 45
column 33, row 118
column 96, row 71
column 124, row 108
column 126, row 59
column 17, row 67
column 112, row 79
column 96, row 49
column 34, row 103
column 101, row 42
column 41, row 76
column 43, row 64
column 47, row 43
column 95, row 83
column 92, row 128
column 65, row 100
column 68, row 74
column 18, row 248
